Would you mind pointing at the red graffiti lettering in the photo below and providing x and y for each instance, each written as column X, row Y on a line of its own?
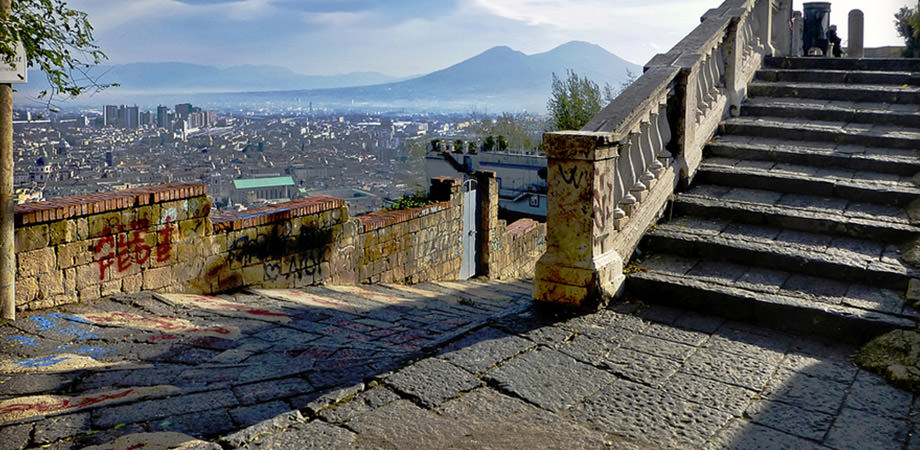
column 165, row 247
column 108, row 259
column 138, row 242
column 123, row 254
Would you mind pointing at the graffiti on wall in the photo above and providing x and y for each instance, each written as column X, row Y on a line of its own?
column 131, row 248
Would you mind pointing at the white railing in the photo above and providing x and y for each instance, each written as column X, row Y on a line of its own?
column 609, row 182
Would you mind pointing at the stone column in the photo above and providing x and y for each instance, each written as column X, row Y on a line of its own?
column 579, row 269
column 798, row 33
column 764, row 11
column 487, row 199
column 782, row 33
column 855, row 47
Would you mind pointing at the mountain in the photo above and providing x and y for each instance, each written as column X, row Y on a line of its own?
column 499, row 79
column 177, row 77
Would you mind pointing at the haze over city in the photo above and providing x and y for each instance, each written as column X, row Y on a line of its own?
column 405, row 38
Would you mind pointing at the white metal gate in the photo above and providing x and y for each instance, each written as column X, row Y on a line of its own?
column 468, row 268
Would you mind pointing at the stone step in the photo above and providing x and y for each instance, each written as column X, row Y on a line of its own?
column 898, row 65
column 840, row 258
column 887, row 136
column 843, row 92
column 897, row 78
column 801, row 212
column 904, row 162
column 858, row 186
column 905, row 115
column 773, row 298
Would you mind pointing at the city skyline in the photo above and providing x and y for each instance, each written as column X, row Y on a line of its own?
column 344, row 36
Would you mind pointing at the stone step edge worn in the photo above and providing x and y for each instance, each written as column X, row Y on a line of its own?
column 746, row 127
column 874, row 64
column 900, row 165
column 789, row 217
column 860, row 93
column 764, row 309
column 781, row 257
column 813, row 112
column 797, row 184
column 876, row 77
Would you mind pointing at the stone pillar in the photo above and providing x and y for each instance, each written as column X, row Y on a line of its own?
column 578, row 270
column 855, row 47
column 764, row 11
column 798, row 34
column 487, row 223
column 782, row 31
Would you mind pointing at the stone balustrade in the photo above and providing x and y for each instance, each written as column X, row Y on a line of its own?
column 610, row 181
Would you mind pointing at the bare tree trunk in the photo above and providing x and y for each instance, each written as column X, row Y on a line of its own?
column 7, row 227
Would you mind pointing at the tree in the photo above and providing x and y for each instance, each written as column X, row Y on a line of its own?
column 458, row 146
column 489, row 144
column 471, row 147
column 574, row 101
column 58, row 40
column 907, row 22
column 502, row 143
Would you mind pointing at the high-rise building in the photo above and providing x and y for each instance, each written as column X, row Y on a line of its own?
column 183, row 110
column 109, row 115
column 129, row 116
column 163, row 117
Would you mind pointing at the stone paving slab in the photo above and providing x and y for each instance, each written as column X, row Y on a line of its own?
column 631, row 376
column 741, row 386
column 206, row 365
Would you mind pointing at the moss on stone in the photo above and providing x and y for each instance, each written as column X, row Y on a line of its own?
column 895, row 356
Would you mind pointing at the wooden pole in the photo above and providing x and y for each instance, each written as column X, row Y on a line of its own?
column 7, row 228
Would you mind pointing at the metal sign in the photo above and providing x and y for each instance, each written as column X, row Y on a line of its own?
column 17, row 74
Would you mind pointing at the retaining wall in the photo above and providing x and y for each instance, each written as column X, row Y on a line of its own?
column 163, row 239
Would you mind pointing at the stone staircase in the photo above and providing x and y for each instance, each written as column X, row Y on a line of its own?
column 797, row 215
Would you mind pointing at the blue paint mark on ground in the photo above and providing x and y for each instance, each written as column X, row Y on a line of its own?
column 56, row 322
column 70, row 317
column 44, row 322
column 24, row 340
column 81, row 335
column 95, row 352
column 47, row 361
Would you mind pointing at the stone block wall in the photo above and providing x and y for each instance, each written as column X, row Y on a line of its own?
column 163, row 239
column 82, row 248
column 505, row 251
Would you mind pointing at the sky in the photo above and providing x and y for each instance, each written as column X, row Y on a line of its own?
column 405, row 37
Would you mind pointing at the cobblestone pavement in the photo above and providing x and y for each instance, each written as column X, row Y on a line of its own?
column 207, row 366
column 515, row 377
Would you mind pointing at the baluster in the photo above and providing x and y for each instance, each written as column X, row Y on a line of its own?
column 714, row 74
column 748, row 38
column 619, row 192
column 700, row 97
column 707, row 86
column 647, row 151
column 625, row 178
column 656, row 167
column 721, row 65
column 638, row 188
column 664, row 127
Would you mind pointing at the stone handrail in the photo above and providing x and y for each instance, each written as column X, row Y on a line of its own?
column 610, row 181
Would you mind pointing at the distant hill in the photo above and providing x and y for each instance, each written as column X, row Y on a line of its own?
column 177, row 77
column 499, row 79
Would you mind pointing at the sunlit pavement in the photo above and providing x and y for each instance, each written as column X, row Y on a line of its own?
column 468, row 365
